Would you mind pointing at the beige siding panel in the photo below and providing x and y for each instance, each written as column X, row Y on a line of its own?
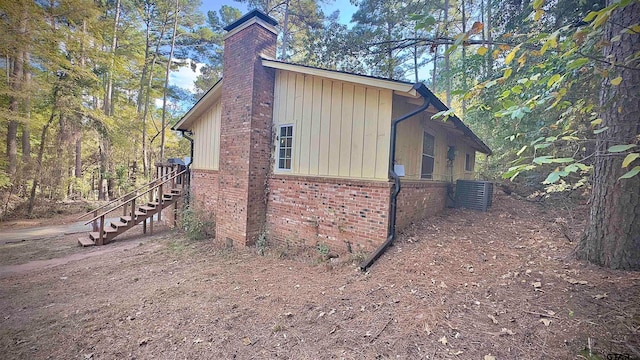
column 345, row 130
column 325, row 127
column 357, row 131
column 383, row 135
column 336, row 118
column 340, row 129
column 306, row 124
column 206, row 151
column 289, row 114
column 409, row 146
column 440, row 170
column 462, row 149
column 297, row 116
column 216, row 153
column 370, row 133
column 316, row 119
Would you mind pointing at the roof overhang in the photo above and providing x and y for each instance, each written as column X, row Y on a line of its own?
column 399, row 87
column 199, row 108
column 440, row 106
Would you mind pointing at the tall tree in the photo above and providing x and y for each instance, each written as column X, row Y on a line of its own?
column 299, row 19
column 378, row 24
column 612, row 238
column 210, row 51
column 176, row 14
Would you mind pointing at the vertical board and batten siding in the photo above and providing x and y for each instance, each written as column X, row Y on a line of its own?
column 340, row 129
column 206, row 136
column 409, row 145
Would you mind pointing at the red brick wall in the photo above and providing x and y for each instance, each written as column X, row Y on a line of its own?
column 310, row 210
column 418, row 200
column 204, row 189
column 245, row 134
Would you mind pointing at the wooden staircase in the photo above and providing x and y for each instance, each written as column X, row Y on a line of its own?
column 159, row 194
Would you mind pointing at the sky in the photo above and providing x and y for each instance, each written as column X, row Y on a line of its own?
column 184, row 77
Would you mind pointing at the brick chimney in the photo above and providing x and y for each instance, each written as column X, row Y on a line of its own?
column 245, row 131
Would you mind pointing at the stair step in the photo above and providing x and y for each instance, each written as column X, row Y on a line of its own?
column 146, row 209
column 153, row 203
column 176, row 191
column 84, row 242
column 140, row 213
column 125, row 219
column 118, row 224
column 107, row 231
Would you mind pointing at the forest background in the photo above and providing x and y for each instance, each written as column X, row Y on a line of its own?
column 86, row 101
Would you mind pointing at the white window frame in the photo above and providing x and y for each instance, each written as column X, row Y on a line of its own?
column 468, row 163
column 433, row 156
column 278, row 147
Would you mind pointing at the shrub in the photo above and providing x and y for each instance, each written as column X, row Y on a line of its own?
column 197, row 225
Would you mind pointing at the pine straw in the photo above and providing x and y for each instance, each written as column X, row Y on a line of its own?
column 458, row 286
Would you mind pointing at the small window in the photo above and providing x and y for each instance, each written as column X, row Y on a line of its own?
column 468, row 163
column 428, row 153
column 285, row 146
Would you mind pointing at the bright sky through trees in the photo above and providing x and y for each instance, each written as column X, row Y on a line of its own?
column 184, row 77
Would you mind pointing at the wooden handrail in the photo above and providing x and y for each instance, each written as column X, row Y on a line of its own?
column 140, row 195
column 123, row 196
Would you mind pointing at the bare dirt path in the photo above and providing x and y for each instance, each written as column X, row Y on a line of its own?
column 8, row 235
column 465, row 285
column 8, row 270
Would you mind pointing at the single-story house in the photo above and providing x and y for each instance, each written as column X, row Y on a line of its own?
column 303, row 154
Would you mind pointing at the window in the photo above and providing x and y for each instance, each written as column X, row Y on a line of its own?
column 285, row 146
column 468, row 163
column 428, row 152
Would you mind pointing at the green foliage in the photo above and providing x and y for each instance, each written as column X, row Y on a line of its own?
column 262, row 242
column 196, row 224
column 542, row 110
column 323, row 249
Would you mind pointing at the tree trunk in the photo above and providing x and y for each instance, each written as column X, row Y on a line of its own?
column 141, row 92
column 102, row 182
column 108, row 93
column 166, row 80
column 26, row 132
column 285, row 31
column 37, row 174
column 484, row 38
column 12, row 147
column 78, row 167
column 14, row 110
column 489, row 54
column 145, row 147
column 464, row 57
column 447, row 63
column 612, row 238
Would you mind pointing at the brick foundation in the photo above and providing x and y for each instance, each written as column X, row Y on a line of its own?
column 418, row 200
column 337, row 212
column 204, row 189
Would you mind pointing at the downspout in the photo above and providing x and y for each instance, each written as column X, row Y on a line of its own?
column 187, row 134
column 393, row 200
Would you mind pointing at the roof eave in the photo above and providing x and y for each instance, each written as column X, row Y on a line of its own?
column 198, row 108
column 439, row 105
column 400, row 87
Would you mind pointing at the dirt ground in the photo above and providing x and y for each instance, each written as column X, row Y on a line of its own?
column 465, row 285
